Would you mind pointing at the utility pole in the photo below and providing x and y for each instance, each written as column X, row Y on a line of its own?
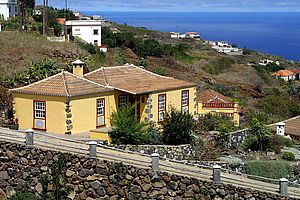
column 21, row 15
column 66, row 9
column 45, row 17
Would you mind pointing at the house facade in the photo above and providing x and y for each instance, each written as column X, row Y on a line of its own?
column 88, row 30
column 69, row 103
column 265, row 62
column 286, row 75
column 8, row 8
column 212, row 102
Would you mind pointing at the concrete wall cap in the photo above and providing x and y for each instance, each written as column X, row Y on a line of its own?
column 92, row 143
column 29, row 131
column 217, row 167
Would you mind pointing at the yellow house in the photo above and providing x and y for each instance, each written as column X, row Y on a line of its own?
column 210, row 101
column 69, row 103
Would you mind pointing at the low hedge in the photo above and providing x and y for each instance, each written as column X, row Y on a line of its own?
column 269, row 169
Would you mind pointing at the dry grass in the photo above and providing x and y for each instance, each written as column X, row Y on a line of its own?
column 18, row 50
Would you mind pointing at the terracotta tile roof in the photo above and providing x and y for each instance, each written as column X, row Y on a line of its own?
column 296, row 71
column 61, row 21
column 135, row 80
column 211, row 95
column 63, row 84
column 292, row 126
column 284, row 72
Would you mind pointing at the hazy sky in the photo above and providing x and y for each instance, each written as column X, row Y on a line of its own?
column 179, row 5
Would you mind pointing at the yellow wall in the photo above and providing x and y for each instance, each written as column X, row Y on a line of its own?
column 55, row 112
column 78, row 70
column 100, row 136
column 173, row 98
column 84, row 111
column 234, row 111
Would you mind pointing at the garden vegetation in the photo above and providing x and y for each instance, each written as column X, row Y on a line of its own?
column 177, row 128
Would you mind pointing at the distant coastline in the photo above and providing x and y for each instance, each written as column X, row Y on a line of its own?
column 275, row 33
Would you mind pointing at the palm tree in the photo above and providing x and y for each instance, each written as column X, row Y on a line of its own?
column 260, row 131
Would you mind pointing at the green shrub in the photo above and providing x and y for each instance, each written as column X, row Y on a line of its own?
column 215, row 123
column 36, row 71
column 87, row 46
column 119, row 57
column 268, row 169
column 126, row 127
column 142, row 62
column 224, row 89
column 273, row 67
column 152, row 135
column 59, row 177
column 219, row 65
column 23, row 196
column 159, row 71
column 259, row 137
column 178, row 128
column 279, row 141
column 250, row 143
column 143, row 48
column 289, row 156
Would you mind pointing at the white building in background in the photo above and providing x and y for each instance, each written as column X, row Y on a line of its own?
column 88, row 30
column 265, row 62
column 175, row 35
column 8, row 8
column 192, row 35
column 224, row 47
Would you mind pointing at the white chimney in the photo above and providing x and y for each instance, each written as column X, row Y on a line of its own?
column 280, row 128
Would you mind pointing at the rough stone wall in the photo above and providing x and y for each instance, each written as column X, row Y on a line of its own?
column 21, row 169
column 238, row 137
column 180, row 152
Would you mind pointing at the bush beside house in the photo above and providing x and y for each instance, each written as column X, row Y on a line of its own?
column 177, row 128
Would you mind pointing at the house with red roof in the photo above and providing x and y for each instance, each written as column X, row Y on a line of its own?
column 212, row 102
column 285, row 74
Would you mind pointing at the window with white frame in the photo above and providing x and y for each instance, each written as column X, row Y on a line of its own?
column 185, row 101
column 100, row 107
column 122, row 100
column 161, row 107
column 100, row 112
column 39, row 110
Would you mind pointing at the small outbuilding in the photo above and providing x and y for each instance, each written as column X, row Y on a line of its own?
column 212, row 102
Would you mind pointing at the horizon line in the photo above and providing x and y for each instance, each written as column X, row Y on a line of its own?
column 229, row 11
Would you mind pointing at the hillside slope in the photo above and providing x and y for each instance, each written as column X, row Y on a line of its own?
column 20, row 49
column 259, row 94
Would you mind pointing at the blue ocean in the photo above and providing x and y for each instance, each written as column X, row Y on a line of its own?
column 274, row 33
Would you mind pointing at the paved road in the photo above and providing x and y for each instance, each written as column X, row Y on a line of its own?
column 65, row 143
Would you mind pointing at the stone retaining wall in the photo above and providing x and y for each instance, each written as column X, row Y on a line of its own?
column 182, row 152
column 21, row 169
column 238, row 137
column 179, row 152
